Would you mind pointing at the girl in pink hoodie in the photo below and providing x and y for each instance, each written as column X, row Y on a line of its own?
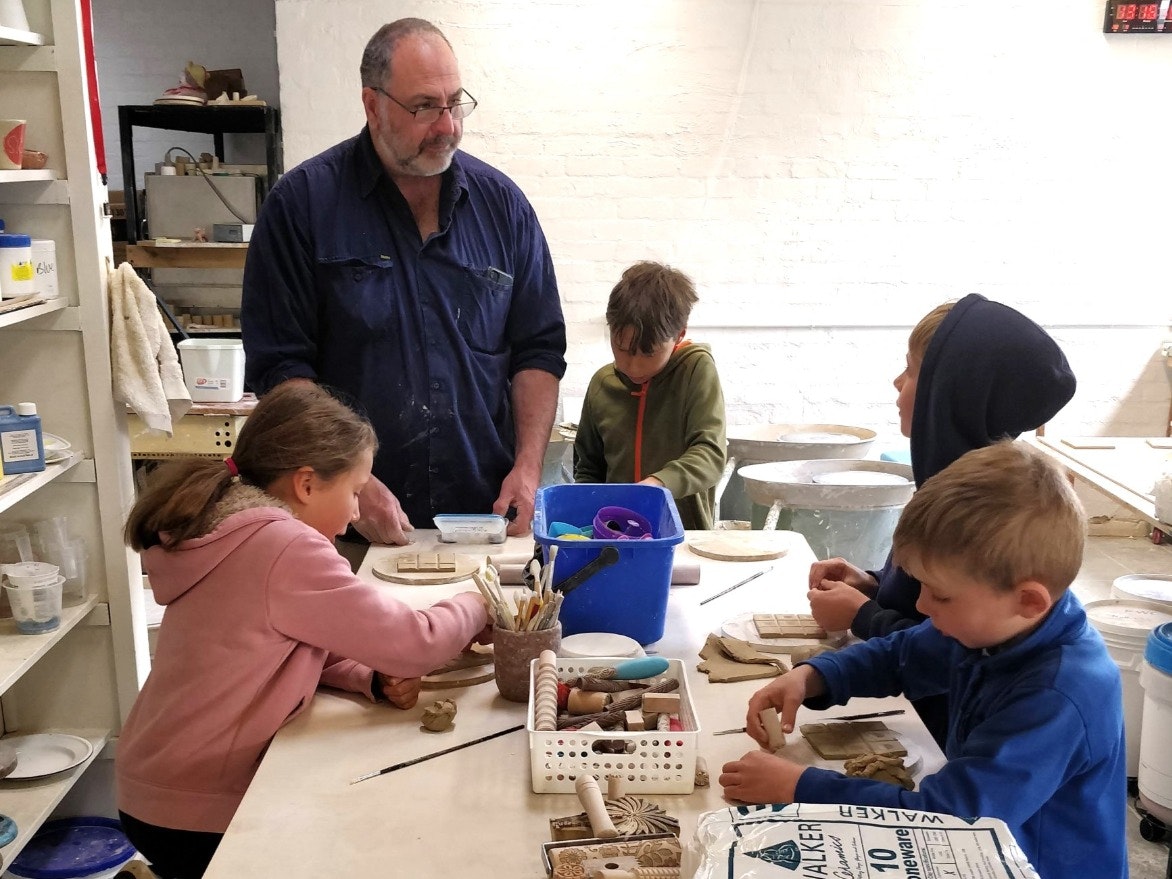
column 261, row 609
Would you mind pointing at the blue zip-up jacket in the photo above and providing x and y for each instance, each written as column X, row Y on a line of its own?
column 1035, row 737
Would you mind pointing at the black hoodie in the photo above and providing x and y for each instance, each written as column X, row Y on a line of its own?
column 989, row 373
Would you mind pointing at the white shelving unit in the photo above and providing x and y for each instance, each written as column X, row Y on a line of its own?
column 83, row 677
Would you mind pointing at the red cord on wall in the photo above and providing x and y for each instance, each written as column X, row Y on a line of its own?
column 91, row 78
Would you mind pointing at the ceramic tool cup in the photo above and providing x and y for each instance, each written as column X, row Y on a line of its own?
column 513, row 652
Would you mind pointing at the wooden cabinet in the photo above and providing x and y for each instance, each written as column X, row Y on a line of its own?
column 83, row 677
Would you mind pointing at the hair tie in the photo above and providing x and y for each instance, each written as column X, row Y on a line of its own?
column 231, row 465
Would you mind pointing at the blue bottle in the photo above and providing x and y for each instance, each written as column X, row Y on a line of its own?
column 22, row 448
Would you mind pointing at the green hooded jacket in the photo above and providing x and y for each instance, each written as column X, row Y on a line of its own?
column 671, row 427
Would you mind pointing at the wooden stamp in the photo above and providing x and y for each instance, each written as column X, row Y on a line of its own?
column 772, row 723
column 661, row 703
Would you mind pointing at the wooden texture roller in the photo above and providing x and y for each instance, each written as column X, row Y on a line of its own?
column 591, row 798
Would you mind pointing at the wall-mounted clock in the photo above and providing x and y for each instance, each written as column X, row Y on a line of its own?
column 1137, row 18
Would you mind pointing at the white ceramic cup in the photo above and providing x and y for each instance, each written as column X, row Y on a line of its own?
column 11, row 144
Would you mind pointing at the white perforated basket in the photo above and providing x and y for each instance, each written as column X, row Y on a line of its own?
column 654, row 762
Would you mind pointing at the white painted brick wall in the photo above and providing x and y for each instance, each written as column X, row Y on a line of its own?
column 827, row 172
column 141, row 50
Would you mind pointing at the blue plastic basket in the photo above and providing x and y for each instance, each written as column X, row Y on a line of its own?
column 629, row 597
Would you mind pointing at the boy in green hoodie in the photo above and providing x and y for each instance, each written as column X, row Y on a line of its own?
column 656, row 415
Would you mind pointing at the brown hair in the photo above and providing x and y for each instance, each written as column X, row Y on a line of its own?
column 922, row 333
column 1004, row 513
column 297, row 424
column 652, row 299
column 380, row 49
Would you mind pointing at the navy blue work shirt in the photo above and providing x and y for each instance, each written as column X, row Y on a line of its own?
column 424, row 335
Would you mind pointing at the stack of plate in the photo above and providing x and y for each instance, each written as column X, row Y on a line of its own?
column 57, row 449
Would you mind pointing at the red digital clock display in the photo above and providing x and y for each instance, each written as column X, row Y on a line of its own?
column 1137, row 17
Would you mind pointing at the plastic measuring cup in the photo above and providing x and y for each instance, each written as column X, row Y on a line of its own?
column 36, row 609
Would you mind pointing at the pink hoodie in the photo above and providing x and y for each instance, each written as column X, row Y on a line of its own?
column 259, row 612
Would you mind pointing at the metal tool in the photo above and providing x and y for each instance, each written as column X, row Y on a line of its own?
column 738, row 585
column 868, row 716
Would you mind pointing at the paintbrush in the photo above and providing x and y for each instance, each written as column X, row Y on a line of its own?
column 406, row 763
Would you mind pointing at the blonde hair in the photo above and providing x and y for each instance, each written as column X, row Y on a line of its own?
column 297, row 424
column 922, row 333
column 1004, row 513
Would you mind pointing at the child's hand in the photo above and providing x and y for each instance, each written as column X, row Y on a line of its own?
column 785, row 694
column 844, row 572
column 835, row 605
column 400, row 692
column 761, row 777
column 484, row 636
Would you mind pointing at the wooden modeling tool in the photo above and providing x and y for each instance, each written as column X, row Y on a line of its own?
column 397, row 766
column 772, row 723
column 591, row 798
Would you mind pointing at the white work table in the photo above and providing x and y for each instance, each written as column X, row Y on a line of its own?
column 472, row 812
column 1125, row 468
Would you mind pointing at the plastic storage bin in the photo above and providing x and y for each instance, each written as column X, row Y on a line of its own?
column 213, row 369
column 654, row 762
column 629, row 597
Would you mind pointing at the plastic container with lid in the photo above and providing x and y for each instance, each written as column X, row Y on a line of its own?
column 22, row 448
column 1155, row 757
column 1125, row 626
column 18, row 276
column 73, row 848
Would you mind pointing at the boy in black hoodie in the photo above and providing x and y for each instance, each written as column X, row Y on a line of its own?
column 977, row 372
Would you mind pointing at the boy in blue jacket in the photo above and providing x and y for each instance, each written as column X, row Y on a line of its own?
column 1035, row 733
column 977, row 372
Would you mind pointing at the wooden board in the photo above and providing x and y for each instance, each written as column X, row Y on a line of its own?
column 386, row 569
column 742, row 546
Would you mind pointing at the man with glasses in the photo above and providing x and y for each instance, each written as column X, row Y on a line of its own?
column 416, row 280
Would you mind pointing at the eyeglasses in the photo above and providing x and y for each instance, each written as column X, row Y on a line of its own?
column 428, row 115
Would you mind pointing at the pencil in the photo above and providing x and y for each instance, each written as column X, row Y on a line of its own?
column 737, row 585
column 406, row 763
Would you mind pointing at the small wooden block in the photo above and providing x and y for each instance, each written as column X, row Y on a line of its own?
column 634, row 720
column 445, row 562
column 787, row 625
column 662, row 703
column 844, row 740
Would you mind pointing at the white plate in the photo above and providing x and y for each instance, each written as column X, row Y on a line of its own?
column 54, row 443
column 587, row 644
column 57, row 457
column 42, row 754
column 741, row 627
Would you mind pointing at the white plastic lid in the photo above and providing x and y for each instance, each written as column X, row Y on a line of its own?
column 1120, row 616
column 1146, row 587
column 26, row 408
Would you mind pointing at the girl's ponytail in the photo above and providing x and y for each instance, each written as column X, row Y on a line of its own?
column 180, row 494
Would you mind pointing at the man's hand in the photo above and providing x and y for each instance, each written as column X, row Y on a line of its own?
column 519, row 491
column 381, row 518
column 760, row 777
column 835, row 605
column 400, row 692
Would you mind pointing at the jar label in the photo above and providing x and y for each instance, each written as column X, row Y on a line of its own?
column 23, row 271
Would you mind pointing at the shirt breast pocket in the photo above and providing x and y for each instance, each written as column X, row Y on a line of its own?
column 359, row 294
column 487, row 295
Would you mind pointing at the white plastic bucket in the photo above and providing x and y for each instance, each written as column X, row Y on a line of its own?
column 1124, row 626
column 213, row 369
column 1153, row 588
column 1155, row 756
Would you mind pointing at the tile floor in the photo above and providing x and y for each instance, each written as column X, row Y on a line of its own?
column 1107, row 558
